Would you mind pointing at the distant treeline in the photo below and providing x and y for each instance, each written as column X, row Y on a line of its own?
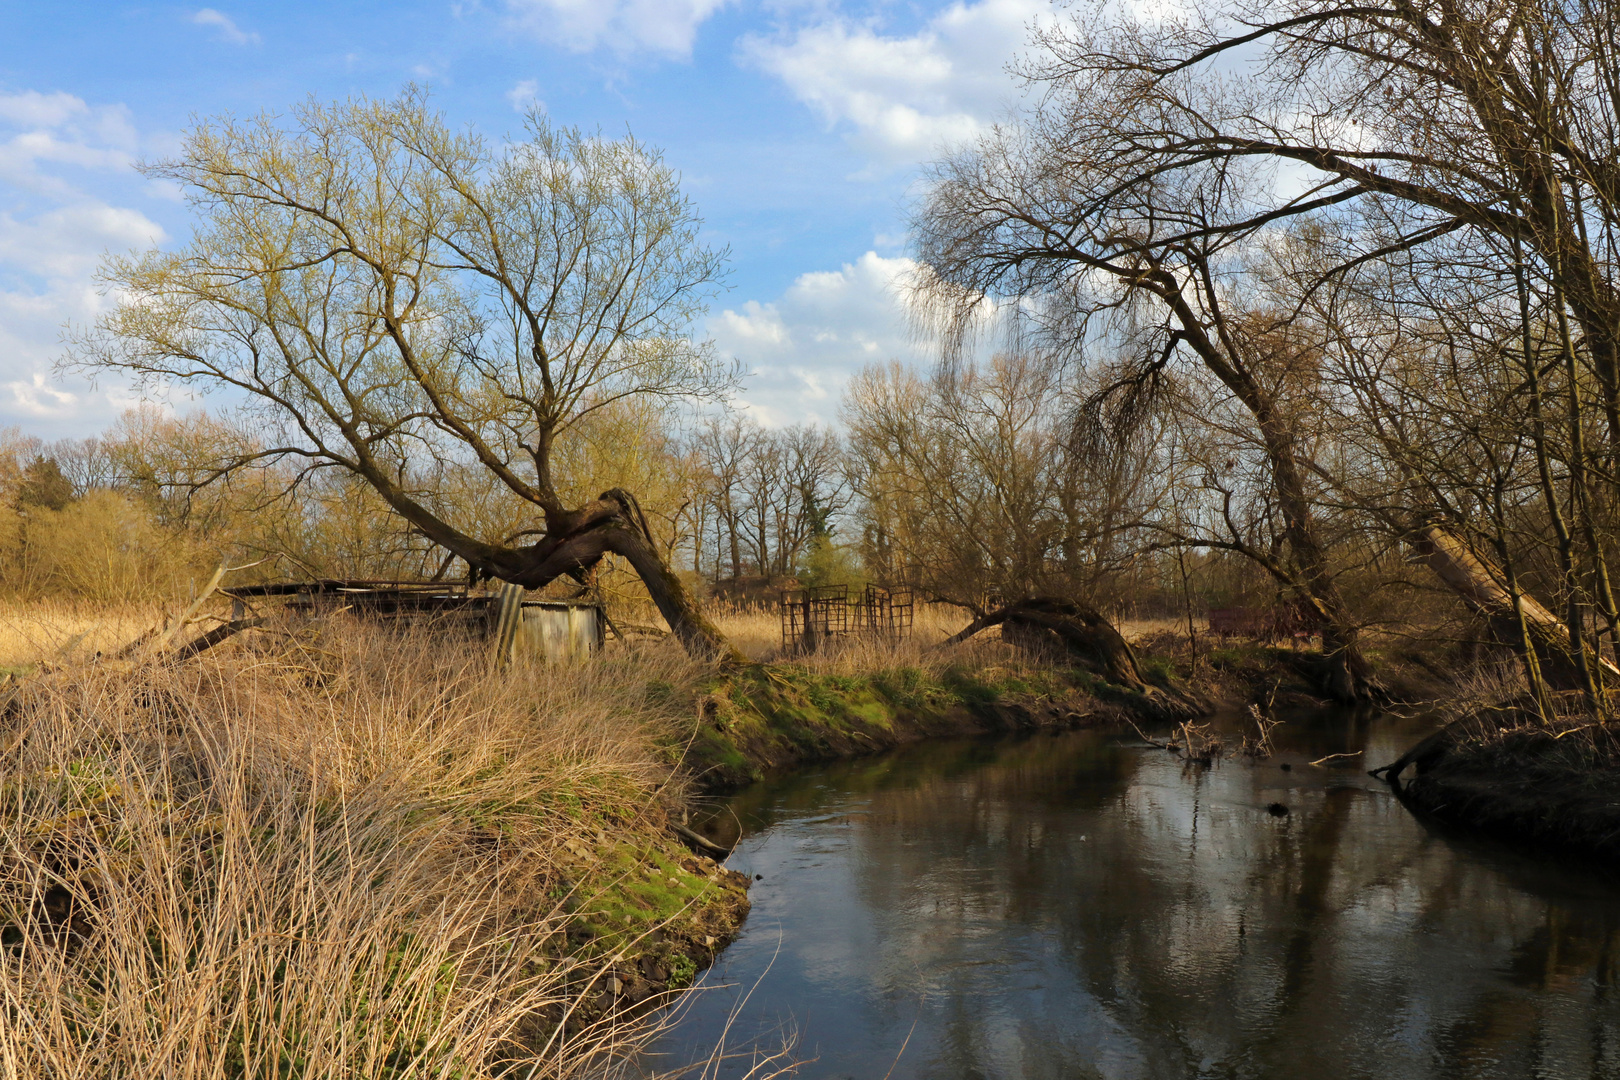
column 967, row 484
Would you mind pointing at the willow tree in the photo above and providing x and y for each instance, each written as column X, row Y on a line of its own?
column 1036, row 223
column 1405, row 125
column 391, row 296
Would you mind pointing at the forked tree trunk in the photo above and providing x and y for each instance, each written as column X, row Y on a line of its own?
column 615, row 525
column 574, row 543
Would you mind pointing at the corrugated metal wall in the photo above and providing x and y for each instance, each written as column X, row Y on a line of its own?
column 544, row 629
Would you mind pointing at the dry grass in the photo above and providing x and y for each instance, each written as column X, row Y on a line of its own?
column 346, row 856
column 53, row 631
column 759, row 633
column 1138, row 630
column 334, row 853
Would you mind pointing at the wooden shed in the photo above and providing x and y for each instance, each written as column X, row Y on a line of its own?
column 551, row 630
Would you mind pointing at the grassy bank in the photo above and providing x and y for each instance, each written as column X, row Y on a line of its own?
column 863, row 696
column 343, row 853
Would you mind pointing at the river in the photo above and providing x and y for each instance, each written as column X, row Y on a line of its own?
column 1080, row 904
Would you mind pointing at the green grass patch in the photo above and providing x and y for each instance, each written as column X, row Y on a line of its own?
column 772, row 714
column 632, row 890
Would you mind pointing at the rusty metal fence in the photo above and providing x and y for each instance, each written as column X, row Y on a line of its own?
column 811, row 617
column 885, row 612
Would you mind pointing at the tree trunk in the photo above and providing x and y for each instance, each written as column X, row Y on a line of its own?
column 1350, row 677
column 613, row 524
column 1481, row 586
column 1080, row 629
column 624, row 532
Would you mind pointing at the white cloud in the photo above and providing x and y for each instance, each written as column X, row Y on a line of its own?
column 904, row 97
column 228, row 30
column 60, row 129
column 53, row 235
column 34, row 397
column 68, row 241
column 525, row 96
column 623, row 26
column 34, row 109
column 804, row 345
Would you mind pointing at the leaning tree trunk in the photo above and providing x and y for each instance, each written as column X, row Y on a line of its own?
column 1350, row 677
column 574, row 544
column 1482, row 587
column 615, row 525
column 1080, row 629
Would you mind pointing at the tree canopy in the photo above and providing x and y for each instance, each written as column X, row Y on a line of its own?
column 395, row 298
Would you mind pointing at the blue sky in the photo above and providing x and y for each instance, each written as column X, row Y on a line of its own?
column 798, row 127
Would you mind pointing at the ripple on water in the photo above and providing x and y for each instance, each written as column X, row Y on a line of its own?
column 1084, row 906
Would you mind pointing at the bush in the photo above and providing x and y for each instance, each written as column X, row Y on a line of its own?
column 104, row 548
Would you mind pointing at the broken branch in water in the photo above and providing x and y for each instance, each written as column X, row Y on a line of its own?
column 1330, row 757
column 1198, row 743
column 1172, row 747
column 698, row 840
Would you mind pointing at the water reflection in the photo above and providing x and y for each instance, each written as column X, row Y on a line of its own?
column 1081, row 906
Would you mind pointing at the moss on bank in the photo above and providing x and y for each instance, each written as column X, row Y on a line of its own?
column 767, row 717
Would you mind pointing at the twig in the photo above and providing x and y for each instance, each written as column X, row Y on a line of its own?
column 701, row 841
column 1330, row 757
column 637, row 628
column 1172, row 747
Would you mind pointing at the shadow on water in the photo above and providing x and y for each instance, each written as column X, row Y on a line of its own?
column 1081, row 905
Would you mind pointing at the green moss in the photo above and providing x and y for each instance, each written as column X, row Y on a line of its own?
column 767, row 715
column 631, row 890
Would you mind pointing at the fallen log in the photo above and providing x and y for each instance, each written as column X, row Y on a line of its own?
column 219, row 634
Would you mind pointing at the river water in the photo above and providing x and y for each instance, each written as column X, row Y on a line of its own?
column 1083, row 905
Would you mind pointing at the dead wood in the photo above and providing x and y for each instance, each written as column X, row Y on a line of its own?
column 218, row 635
column 1482, row 586
column 698, row 841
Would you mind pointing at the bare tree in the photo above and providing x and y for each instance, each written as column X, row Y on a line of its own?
column 725, row 447
column 970, row 490
column 1018, row 221
column 385, row 291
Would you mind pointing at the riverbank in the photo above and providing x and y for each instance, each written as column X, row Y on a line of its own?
column 766, row 718
column 339, row 852
column 1502, row 771
column 856, row 699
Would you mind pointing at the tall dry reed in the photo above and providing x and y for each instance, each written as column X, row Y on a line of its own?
column 56, row 631
column 758, row 633
column 349, row 855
